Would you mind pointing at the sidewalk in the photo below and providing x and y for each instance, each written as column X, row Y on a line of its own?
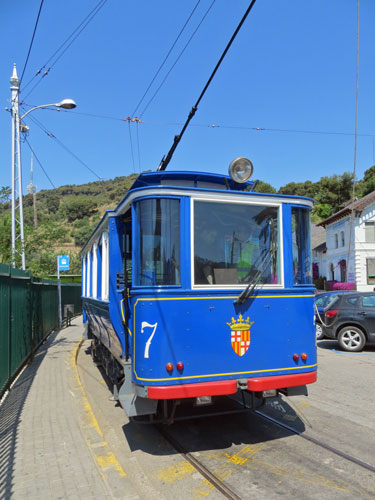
column 43, row 451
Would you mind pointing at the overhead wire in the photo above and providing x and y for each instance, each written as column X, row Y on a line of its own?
column 39, row 162
column 131, row 146
column 67, row 43
column 178, row 58
column 355, row 143
column 166, row 159
column 213, row 126
column 62, row 145
column 166, row 57
column 139, row 153
column 32, row 41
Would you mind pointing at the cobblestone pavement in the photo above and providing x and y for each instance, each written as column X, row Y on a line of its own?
column 43, row 451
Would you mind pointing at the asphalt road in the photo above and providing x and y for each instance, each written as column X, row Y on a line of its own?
column 254, row 457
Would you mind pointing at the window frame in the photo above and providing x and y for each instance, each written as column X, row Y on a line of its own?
column 226, row 200
column 136, row 250
column 105, row 266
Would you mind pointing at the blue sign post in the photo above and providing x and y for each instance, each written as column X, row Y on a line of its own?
column 62, row 265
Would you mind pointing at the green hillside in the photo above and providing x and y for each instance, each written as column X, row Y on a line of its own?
column 67, row 215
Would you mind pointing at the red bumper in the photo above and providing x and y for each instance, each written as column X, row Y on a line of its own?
column 225, row 387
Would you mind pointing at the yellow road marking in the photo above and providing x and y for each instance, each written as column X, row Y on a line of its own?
column 103, row 456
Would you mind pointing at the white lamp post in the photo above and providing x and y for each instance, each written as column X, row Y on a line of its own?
column 17, row 205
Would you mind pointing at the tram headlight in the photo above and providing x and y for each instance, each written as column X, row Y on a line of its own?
column 241, row 169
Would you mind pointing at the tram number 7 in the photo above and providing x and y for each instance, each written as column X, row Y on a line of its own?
column 148, row 343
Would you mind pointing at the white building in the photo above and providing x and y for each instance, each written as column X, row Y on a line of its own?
column 350, row 244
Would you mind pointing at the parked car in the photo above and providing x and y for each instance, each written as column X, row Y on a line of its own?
column 350, row 318
column 322, row 300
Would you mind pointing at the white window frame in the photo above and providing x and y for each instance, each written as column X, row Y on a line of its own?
column 84, row 284
column 105, row 266
column 95, row 270
column 88, row 274
column 219, row 199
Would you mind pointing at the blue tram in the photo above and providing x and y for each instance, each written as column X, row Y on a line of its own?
column 197, row 287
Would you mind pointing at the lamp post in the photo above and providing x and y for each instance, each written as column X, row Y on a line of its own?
column 17, row 204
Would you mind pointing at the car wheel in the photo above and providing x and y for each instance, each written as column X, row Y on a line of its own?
column 319, row 332
column 351, row 339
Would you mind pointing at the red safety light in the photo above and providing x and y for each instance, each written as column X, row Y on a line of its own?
column 180, row 366
column 169, row 367
column 331, row 314
column 296, row 356
column 303, row 356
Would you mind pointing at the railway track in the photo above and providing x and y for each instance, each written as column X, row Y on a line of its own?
column 223, row 488
column 202, row 469
column 337, row 452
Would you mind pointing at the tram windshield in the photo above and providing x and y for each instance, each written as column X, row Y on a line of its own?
column 235, row 243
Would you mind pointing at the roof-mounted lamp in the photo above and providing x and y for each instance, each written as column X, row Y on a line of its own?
column 241, row 169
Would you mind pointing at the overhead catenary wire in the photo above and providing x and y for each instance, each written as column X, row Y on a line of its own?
column 165, row 58
column 63, row 146
column 39, row 162
column 32, row 41
column 178, row 58
column 166, row 159
column 355, row 144
column 65, row 46
column 210, row 125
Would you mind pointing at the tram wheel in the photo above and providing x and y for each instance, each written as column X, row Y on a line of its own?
column 351, row 339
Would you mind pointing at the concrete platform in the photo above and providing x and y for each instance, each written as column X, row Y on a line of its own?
column 51, row 446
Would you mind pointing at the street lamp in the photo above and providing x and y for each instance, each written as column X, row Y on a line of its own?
column 17, row 205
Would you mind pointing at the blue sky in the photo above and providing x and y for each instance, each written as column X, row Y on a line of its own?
column 291, row 71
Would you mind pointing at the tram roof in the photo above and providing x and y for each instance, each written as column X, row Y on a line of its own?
column 189, row 179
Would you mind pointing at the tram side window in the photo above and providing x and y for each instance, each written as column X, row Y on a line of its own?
column 94, row 271
column 83, row 260
column 88, row 274
column 158, row 242
column 302, row 265
column 105, row 266
column 236, row 243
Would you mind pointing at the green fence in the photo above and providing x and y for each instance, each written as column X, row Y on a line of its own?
column 28, row 313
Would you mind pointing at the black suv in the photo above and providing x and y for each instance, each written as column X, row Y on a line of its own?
column 350, row 318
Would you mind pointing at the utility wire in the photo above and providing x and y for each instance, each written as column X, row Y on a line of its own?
column 32, row 41
column 355, row 144
column 166, row 57
column 71, row 38
column 213, row 126
column 41, row 166
column 139, row 153
column 131, row 146
column 178, row 58
column 62, row 145
column 166, row 159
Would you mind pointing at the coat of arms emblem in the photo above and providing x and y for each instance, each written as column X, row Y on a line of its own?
column 240, row 334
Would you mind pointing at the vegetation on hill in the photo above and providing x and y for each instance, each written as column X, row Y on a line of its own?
column 67, row 215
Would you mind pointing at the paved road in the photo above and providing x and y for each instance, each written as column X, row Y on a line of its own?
column 61, row 437
column 256, row 458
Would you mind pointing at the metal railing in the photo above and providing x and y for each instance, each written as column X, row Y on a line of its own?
column 28, row 314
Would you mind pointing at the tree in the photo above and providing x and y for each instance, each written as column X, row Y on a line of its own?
column 5, row 243
column 264, row 187
column 5, row 193
column 78, row 208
